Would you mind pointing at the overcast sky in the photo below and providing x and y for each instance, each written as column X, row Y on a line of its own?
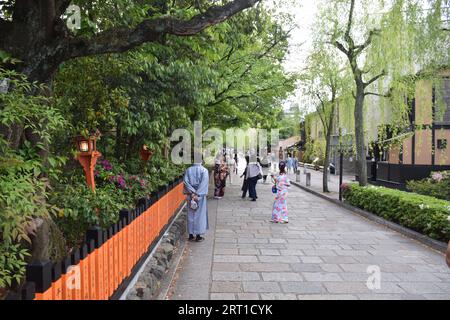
column 304, row 13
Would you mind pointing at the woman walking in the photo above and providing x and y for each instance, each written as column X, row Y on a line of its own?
column 220, row 176
column 282, row 183
column 254, row 173
column 231, row 166
column 244, row 175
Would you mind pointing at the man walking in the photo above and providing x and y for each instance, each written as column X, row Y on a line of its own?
column 196, row 183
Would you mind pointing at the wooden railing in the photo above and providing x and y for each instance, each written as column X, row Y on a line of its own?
column 102, row 267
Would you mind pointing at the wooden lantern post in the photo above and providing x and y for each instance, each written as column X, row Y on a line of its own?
column 88, row 155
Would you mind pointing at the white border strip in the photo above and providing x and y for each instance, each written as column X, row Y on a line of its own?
column 141, row 269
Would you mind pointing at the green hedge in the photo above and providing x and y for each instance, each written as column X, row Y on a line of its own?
column 437, row 185
column 424, row 214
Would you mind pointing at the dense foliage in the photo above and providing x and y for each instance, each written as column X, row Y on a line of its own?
column 427, row 215
column 388, row 46
column 228, row 75
column 23, row 188
column 437, row 185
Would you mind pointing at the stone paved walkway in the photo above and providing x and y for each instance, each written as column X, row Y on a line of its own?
column 323, row 253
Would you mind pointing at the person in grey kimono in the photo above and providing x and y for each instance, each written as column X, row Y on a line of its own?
column 196, row 183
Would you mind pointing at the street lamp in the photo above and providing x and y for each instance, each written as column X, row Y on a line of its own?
column 88, row 155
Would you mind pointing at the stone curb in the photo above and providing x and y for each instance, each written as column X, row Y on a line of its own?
column 434, row 244
column 150, row 281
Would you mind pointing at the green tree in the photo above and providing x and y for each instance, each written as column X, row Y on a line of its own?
column 370, row 39
column 326, row 82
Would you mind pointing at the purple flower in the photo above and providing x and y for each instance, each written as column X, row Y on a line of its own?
column 437, row 177
column 122, row 183
column 106, row 165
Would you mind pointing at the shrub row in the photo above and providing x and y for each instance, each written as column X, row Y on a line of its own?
column 437, row 185
column 424, row 214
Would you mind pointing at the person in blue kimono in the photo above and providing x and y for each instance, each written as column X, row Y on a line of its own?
column 196, row 183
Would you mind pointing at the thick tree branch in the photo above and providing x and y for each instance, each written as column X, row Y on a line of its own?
column 5, row 27
column 341, row 47
column 245, row 95
column 48, row 16
column 377, row 94
column 121, row 39
column 367, row 43
column 382, row 74
column 348, row 37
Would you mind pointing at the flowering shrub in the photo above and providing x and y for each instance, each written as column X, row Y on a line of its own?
column 116, row 189
column 437, row 185
column 111, row 175
column 424, row 214
column 345, row 187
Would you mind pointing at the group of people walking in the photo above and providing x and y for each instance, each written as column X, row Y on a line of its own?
column 196, row 183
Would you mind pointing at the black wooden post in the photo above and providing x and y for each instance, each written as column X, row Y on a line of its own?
column 341, row 173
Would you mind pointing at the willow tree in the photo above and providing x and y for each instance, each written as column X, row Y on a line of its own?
column 325, row 82
column 378, row 40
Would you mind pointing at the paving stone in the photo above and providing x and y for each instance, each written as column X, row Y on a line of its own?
column 346, row 287
column 303, row 287
column 417, row 277
column 281, row 277
column 363, row 277
column 319, row 253
column 264, row 267
column 310, row 297
column 270, row 252
column 340, row 260
column 248, row 296
column 330, row 267
column 321, row 277
column 302, row 267
column 279, row 259
column 220, row 251
column 234, row 258
column 226, row 267
column 235, row 276
column 278, row 296
column 223, row 296
column 277, row 241
column 226, row 287
column 311, row 259
column 261, row 287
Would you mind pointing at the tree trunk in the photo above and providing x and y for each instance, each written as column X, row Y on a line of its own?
column 361, row 165
column 328, row 148
column 327, row 163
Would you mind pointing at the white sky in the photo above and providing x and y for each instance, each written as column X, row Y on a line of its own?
column 304, row 13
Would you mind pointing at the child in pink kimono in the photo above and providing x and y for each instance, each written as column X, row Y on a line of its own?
column 282, row 183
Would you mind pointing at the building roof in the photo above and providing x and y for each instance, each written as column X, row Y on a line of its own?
column 290, row 142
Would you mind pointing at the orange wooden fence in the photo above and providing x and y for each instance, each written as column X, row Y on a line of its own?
column 110, row 257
